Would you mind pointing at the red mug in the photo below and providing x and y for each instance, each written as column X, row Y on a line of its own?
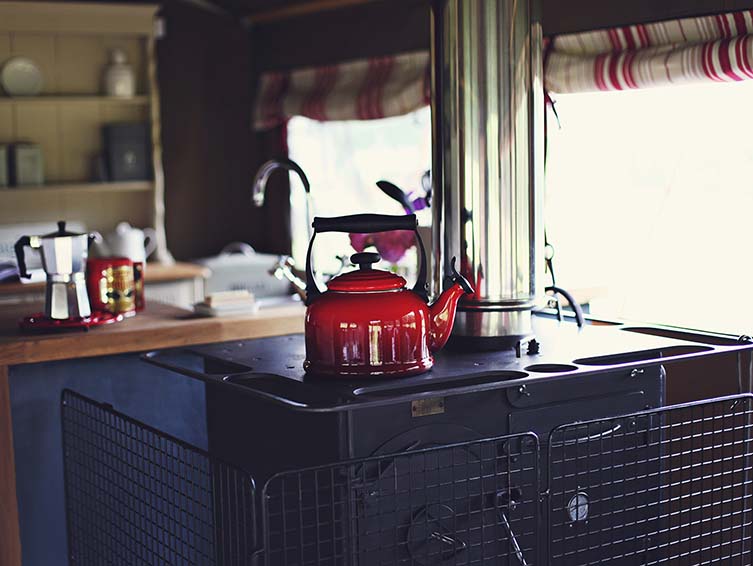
column 111, row 285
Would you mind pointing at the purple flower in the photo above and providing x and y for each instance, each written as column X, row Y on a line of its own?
column 390, row 245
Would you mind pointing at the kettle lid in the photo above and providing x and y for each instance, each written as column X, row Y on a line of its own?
column 61, row 232
column 366, row 279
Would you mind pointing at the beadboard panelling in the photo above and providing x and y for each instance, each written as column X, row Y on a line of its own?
column 6, row 124
column 80, row 61
column 80, row 139
column 38, row 123
column 98, row 210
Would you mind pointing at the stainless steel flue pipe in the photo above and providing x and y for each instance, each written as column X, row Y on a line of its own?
column 488, row 130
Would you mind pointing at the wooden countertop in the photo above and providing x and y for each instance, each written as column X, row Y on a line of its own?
column 159, row 326
column 154, row 273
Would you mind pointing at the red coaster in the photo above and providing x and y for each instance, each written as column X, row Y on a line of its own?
column 40, row 323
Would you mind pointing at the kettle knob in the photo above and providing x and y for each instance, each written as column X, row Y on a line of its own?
column 61, row 226
column 364, row 260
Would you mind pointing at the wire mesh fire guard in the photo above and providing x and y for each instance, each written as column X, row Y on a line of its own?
column 470, row 503
column 668, row 486
column 137, row 496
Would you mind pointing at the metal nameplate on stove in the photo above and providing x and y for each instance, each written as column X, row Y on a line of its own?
column 426, row 407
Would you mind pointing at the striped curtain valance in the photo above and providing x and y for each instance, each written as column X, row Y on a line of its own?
column 361, row 90
column 714, row 48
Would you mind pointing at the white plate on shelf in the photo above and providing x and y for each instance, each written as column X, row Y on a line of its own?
column 21, row 77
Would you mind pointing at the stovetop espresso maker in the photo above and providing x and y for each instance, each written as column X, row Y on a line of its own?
column 64, row 256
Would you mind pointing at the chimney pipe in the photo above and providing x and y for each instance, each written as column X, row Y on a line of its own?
column 488, row 134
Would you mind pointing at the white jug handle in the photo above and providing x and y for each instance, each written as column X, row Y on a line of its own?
column 150, row 241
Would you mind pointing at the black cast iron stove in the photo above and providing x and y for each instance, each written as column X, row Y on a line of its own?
column 570, row 456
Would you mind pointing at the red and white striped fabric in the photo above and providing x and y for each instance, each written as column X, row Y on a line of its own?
column 713, row 48
column 361, row 90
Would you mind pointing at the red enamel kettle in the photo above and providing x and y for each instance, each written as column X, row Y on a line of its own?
column 367, row 323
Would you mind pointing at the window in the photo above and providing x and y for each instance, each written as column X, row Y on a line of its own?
column 649, row 199
column 343, row 161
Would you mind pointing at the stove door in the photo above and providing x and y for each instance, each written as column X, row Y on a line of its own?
column 668, row 486
column 469, row 503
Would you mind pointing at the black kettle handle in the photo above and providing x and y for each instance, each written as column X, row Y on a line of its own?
column 365, row 224
column 22, row 242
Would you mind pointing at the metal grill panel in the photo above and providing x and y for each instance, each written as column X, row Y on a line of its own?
column 470, row 503
column 667, row 486
column 137, row 496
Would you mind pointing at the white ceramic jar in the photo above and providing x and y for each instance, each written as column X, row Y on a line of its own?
column 119, row 79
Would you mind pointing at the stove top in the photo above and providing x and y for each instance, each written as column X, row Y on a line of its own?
column 272, row 368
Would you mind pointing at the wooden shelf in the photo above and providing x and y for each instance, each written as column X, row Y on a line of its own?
column 80, row 188
column 139, row 100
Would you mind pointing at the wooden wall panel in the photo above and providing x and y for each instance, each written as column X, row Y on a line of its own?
column 38, row 122
column 97, row 211
column 79, row 129
column 379, row 28
column 80, row 62
column 205, row 79
column 5, row 51
column 116, row 112
column 7, row 128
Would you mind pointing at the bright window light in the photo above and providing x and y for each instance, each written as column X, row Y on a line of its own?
column 343, row 161
column 649, row 199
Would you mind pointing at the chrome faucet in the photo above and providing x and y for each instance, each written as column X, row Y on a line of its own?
column 284, row 268
column 262, row 176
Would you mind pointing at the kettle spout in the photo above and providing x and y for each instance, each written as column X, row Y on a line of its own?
column 442, row 312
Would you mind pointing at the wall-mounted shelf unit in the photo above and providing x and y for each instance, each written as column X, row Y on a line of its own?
column 71, row 44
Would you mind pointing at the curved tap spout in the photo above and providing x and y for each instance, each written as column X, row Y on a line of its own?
column 262, row 176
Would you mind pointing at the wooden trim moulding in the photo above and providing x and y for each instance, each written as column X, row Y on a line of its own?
column 10, row 538
column 77, row 18
column 301, row 9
